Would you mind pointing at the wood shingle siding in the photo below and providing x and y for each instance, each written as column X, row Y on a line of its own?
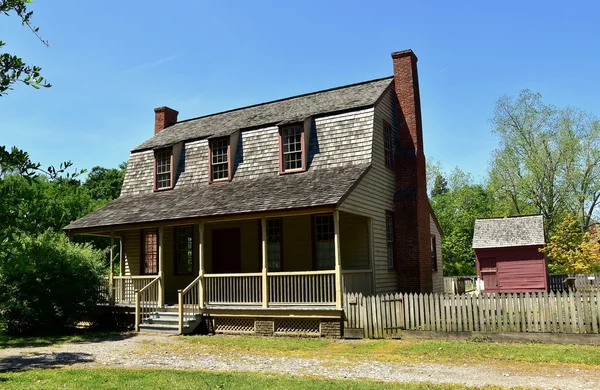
column 139, row 177
column 375, row 193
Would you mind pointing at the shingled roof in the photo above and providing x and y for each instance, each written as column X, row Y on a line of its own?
column 322, row 187
column 508, row 232
column 291, row 109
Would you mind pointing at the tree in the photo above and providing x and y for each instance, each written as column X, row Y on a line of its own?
column 569, row 250
column 440, row 186
column 105, row 183
column 12, row 67
column 548, row 160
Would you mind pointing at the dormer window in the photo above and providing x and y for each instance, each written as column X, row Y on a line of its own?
column 291, row 149
column 163, row 169
column 220, row 161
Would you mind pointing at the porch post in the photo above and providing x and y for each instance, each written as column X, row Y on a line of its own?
column 121, row 267
column 265, row 264
column 111, row 281
column 201, row 264
column 161, row 287
column 338, row 259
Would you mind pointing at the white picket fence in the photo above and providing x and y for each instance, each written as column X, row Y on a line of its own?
column 385, row 315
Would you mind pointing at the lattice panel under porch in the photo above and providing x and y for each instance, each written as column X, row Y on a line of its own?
column 297, row 326
column 239, row 325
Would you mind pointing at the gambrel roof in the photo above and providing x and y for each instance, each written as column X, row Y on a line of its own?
column 508, row 232
column 288, row 110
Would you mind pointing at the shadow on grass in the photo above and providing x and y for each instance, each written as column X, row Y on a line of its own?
column 43, row 360
column 74, row 336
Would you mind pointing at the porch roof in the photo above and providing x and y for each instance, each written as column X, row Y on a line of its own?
column 314, row 188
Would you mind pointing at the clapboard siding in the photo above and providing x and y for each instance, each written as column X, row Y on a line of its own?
column 250, row 248
column 375, row 193
column 297, row 243
column 131, row 252
column 354, row 241
column 438, row 277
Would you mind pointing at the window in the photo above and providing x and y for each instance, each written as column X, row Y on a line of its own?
column 388, row 145
column 390, row 238
column 150, row 252
column 163, row 160
column 434, row 253
column 219, row 160
column 292, row 149
column 274, row 244
column 324, row 242
column 184, row 244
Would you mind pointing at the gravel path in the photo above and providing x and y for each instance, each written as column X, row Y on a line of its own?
column 135, row 352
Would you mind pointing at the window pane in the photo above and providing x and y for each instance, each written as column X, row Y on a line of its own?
column 387, row 145
column 292, row 147
column 163, row 169
column 220, row 159
column 150, row 252
column 274, row 244
column 389, row 227
column 184, row 250
column 324, row 237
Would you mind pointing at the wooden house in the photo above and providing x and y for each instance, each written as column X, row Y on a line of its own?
column 259, row 218
column 507, row 254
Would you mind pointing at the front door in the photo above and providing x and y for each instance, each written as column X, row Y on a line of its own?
column 489, row 273
column 226, row 251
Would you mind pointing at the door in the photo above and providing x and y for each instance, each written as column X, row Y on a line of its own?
column 489, row 273
column 226, row 251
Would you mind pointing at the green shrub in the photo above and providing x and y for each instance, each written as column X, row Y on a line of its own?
column 47, row 283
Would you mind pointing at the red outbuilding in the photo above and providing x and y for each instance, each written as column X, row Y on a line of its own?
column 507, row 254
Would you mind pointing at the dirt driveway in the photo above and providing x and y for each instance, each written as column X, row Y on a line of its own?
column 136, row 351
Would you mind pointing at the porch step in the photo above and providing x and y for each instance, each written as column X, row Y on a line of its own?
column 168, row 322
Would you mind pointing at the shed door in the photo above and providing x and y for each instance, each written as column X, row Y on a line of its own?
column 489, row 273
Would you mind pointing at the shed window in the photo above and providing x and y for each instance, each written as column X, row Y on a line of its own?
column 219, row 159
column 150, row 252
column 163, row 169
column 388, row 145
column 292, row 148
column 274, row 244
column 434, row 253
column 184, row 250
column 390, row 238
column 324, row 242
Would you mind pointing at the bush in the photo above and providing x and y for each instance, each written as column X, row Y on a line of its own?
column 47, row 283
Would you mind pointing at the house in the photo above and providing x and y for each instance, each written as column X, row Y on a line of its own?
column 258, row 219
column 507, row 254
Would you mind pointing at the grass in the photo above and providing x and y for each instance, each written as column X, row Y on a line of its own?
column 457, row 352
column 172, row 379
column 76, row 335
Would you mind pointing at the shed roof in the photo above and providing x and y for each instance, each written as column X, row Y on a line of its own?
column 320, row 187
column 291, row 109
column 508, row 232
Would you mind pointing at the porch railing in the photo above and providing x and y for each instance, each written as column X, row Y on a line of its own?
column 124, row 287
column 189, row 302
column 310, row 287
column 147, row 301
column 241, row 289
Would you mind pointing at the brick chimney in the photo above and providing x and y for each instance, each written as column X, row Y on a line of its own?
column 413, row 250
column 163, row 118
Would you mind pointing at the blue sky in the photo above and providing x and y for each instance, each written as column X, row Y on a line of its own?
column 112, row 62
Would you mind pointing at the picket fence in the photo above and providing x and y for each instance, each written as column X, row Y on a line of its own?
column 582, row 282
column 386, row 315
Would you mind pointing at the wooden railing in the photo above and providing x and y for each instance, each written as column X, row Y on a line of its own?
column 124, row 287
column 358, row 281
column 189, row 302
column 311, row 287
column 147, row 301
column 240, row 289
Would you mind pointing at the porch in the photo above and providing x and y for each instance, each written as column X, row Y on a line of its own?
column 272, row 266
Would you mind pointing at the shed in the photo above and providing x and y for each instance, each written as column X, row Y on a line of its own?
column 507, row 254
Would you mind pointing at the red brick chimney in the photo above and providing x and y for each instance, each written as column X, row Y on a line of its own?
column 163, row 118
column 413, row 250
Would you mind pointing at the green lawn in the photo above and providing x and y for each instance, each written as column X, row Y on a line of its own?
column 76, row 335
column 393, row 350
column 172, row 379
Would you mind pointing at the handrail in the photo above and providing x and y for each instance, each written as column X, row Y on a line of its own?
column 239, row 275
column 302, row 273
column 123, row 287
column 191, row 284
column 134, row 276
column 356, row 271
column 145, row 306
column 190, row 301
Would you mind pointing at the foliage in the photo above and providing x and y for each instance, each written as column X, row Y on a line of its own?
column 548, row 160
column 456, row 207
column 46, row 282
column 572, row 251
column 12, row 67
column 105, row 183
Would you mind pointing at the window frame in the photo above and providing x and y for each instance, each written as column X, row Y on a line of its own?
column 280, row 221
column 434, row 258
column 143, row 252
column 171, row 176
column 314, row 242
column 282, row 170
column 388, row 139
column 176, row 252
column 210, row 163
column 390, row 214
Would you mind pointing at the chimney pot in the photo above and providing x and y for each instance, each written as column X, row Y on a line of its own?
column 163, row 118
